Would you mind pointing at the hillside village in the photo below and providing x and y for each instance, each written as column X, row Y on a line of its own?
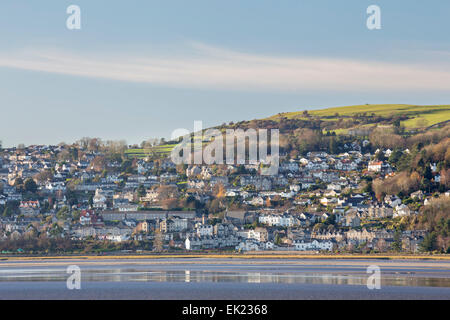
column 86, row 198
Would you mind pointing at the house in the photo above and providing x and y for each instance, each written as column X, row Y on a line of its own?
column 334, row 187
column 335, row 236
column 86, row 217
column 173, row 225
column 117, row 237
column 314, row 245
column 392, row 201
column 224, row 230
column 402, row 210
column 145, row 215
column 29, row 208
column 355, row 200
column 289, row 166
column 259, row 182
column 99, row 200
column 204, row 230
column 127, row 207
column 150, row 196
column 328, row 201
column 278, row 220
column 193, row 242
column 256, row 201
column 380, row 212
column 360, row 236
column 351, row 219
column 143, row 226
column 249, row 245
column 375, row 166
column 259, row 234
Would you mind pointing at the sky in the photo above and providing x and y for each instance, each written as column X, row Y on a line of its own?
column 141, row 69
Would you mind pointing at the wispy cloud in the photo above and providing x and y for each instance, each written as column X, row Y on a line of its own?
column 209, row 67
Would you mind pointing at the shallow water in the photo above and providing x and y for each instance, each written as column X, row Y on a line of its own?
column 225, row 279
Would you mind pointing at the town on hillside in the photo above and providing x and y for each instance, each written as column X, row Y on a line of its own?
column 93, row 197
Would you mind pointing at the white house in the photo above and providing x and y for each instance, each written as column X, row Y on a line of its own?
column 313, row 245
column 203, row 230
column 99, row 200
column 402, row 210
column 375, row 166
column 248, row 245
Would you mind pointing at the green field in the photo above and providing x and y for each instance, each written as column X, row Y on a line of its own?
column 419, row 116
column 159, row 151
column 140, row 153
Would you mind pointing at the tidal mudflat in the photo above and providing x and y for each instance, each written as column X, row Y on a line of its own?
column 204, row 278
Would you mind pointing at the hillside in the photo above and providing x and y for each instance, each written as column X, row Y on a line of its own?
column 355, row 120
column 412, row 116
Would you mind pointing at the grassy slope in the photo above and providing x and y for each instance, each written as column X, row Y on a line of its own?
column 432, row 114
column 163, row 150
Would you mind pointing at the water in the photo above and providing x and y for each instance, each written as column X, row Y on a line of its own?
column 225, row 279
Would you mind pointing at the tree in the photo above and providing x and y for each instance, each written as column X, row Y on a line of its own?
column 381, row 245
column 44, row 176
column 18, row 183
column 98, row 164
column 63, row 213
column 380, row 156
column 7, row 212
column 158, row 241
column 214, row 206
column 428, row 174
column 397, row 244
column 30, row 185
column 56, row 230
column 429, row 242
column 333, row 147
column 219, row 190
column 395, row 157
column 75, row 215
column 141, row 191
column 91, row 201
column 277, row 239
column 331, row 220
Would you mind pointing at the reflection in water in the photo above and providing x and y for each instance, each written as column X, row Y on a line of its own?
column 241, row 276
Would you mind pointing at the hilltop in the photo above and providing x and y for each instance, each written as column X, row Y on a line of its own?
column 358, row 120
column 410, row 116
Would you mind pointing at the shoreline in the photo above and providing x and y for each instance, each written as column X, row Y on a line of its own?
column 250, row 256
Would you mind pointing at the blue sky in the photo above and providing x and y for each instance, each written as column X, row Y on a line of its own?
column 141, row 69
